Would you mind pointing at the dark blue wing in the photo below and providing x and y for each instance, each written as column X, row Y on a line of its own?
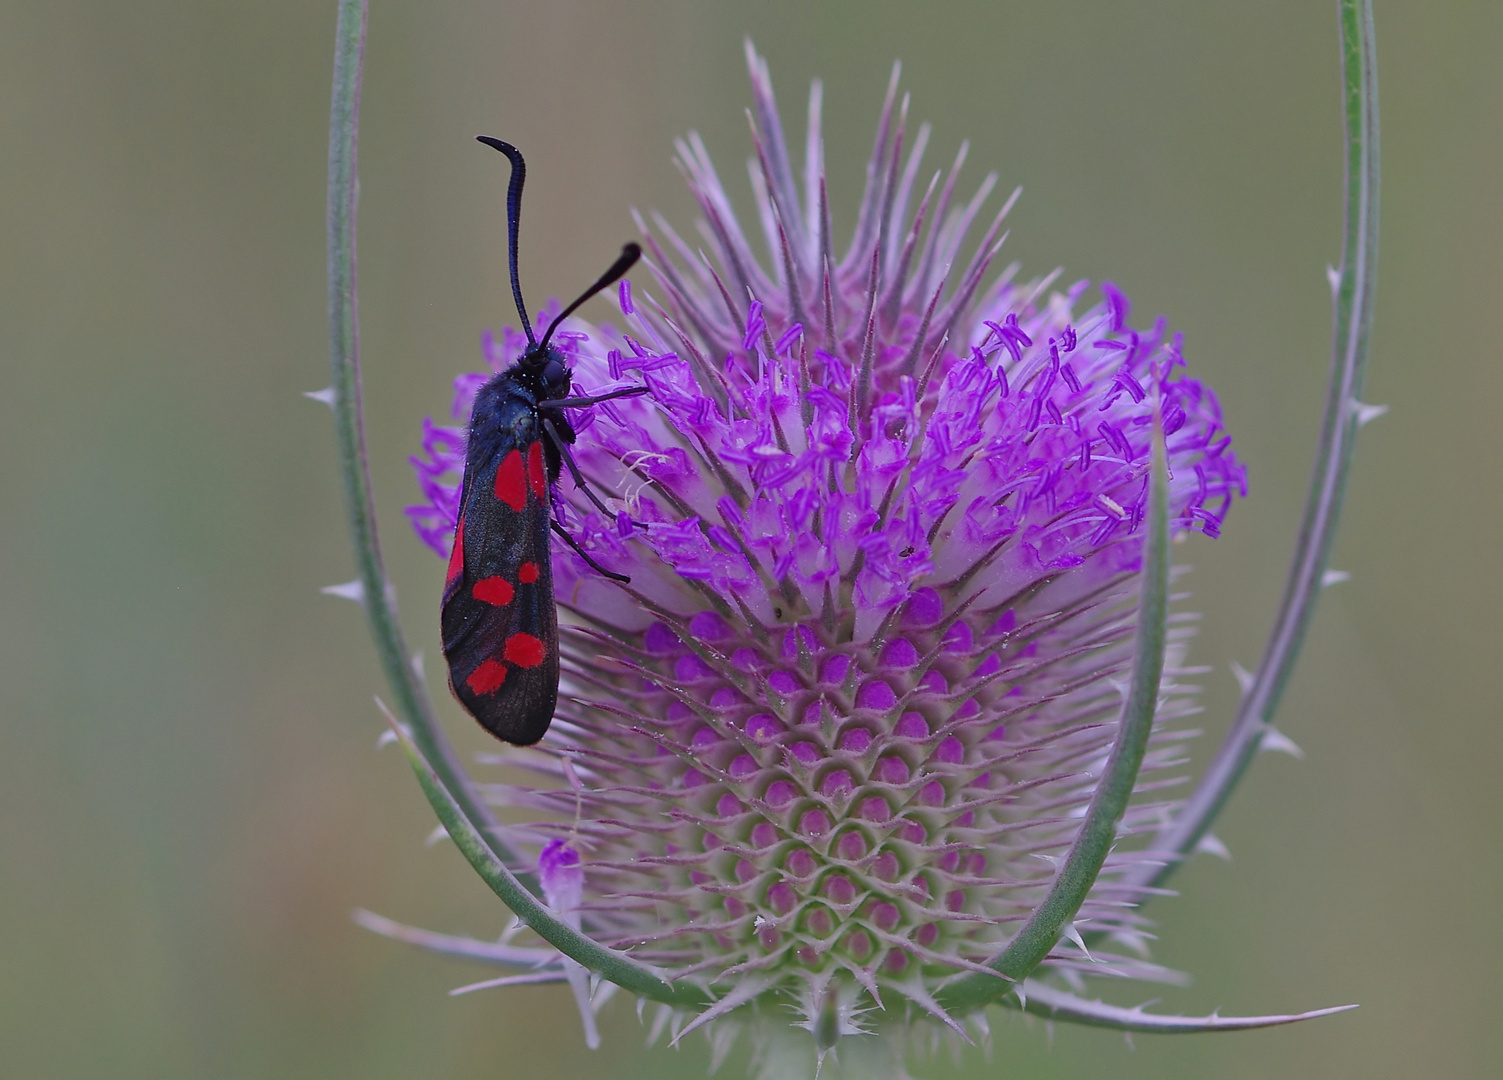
column 499, row 624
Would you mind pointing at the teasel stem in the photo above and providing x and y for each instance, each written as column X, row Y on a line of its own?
column 1353, row 288
column 410, row 696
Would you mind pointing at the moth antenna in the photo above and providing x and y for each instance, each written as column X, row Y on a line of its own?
column 630, row 253
column 513, row 221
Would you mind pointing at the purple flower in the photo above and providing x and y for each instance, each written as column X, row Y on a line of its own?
column 883, row 514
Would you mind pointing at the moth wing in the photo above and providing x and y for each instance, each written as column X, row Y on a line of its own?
column 499, row 623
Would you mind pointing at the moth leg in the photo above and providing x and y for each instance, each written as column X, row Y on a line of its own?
column 580, row 402
column 556, row 527
column 579, row 480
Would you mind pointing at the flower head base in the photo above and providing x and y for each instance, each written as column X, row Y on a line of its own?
column 882, row 516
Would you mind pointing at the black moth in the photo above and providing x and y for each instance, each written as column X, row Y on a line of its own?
column 500, row 627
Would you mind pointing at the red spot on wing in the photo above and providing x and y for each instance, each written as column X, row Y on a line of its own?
column 524, row 650
column 494, row 590
column 456, row 557
column 488, row 677
column 511, row 484
column 528, row 573
column 535, row 470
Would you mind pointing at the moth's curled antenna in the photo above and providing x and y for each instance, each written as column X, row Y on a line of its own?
column 513, row 221
column 630, row 253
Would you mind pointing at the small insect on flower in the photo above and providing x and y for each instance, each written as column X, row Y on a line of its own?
column 500, row 627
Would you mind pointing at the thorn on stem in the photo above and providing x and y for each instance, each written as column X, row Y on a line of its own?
column 1210, row 844
column 1276, row 741
column 350, row 590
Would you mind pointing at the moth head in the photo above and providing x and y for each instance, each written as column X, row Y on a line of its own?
column 554, row 376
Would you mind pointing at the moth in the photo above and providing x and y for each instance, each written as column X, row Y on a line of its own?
column 498, row 618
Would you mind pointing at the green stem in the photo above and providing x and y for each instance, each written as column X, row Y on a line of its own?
column 1098, row 832
column 410, row 695
column 1351, row 334
column 467, row 819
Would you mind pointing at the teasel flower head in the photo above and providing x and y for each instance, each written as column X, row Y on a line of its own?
column 883, row 513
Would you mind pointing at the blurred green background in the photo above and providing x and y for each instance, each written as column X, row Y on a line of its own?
column 191, row 802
